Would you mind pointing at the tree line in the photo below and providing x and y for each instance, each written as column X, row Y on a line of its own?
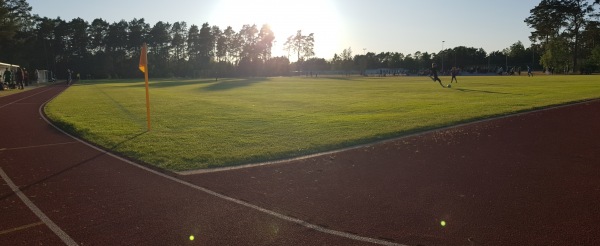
column 567, row 32
column 564, row 39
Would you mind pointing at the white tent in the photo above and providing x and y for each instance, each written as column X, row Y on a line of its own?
column 43, row 76
column 3, row 66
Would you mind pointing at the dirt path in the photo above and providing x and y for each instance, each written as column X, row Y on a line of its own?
column 525, row 180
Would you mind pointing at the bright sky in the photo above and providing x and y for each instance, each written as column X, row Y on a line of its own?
column 404, row 26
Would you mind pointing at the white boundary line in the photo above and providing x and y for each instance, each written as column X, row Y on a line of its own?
column 37, row 146
column 59, row 232
column 11, row 103
column 227, row 198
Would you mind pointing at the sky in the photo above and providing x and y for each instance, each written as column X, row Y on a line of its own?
column 404, row 26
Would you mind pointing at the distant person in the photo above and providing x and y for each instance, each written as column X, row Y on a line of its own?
column 529, row 73
column 19, row 78
column 434, row 74
column 454, row 72
column 25, row 77
column 69, row 78
column 7, row 77
column 35, row 76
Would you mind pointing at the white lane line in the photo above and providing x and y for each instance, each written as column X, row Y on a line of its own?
column 59, row 232
column 227, row 198
column 38, row 146
column 13, row 102
column 20, row 228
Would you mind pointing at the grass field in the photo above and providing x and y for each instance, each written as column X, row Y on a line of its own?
column 206, row 123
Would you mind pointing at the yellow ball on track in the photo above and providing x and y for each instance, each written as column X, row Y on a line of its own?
column 192, row 238
column 443, row 223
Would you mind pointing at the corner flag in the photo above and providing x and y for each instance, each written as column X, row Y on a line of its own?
column 144, row 59
column 144, row 68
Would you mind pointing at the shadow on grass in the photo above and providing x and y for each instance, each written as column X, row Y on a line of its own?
column 170, row 83
column 488, row 92
column 122, row 108
column 156, row 83
column 229, row 84
column 336, row 77
column 173, row 83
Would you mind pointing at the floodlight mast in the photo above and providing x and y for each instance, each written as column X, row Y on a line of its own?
column 443, row 56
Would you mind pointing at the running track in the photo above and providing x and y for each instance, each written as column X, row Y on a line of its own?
column 531, row 179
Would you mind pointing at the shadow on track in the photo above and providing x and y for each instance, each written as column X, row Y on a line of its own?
column 58, row 173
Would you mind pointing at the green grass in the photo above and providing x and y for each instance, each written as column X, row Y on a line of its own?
column 206, row 123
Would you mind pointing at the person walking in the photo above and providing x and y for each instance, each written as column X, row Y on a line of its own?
column 7, row 77
column 19, row 78
column 69, row 78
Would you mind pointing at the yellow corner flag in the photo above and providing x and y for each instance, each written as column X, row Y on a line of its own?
column 144, row 69
column 144, row 59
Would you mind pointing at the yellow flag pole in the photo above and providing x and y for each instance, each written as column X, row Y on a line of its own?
column 147, row 101
column 144, row 67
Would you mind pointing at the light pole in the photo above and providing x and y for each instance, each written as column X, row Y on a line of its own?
column 532, row 54
column 443, row 56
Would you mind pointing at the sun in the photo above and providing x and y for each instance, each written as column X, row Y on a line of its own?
column 285, row 17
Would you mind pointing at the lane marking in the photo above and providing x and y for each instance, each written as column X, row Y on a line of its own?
column 21, row 228
column 13, row 102
column 38, row 146
column 224, row 197
column 57, row 231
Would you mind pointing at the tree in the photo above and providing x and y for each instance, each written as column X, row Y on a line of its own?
column 16, row 25
column 179, row 56
column 265, row 42
column 577, row 12
column 44, row 35
column 346, row 60
column 14, row 16
column 79, row 39
column 206, row 44
column 595, row 57
column 220, row 51
column 98, row 31
column 193, row 42
column 61, row 40
column 178, row 42
column 556, row 56
column 249, row 41
column 301, row 44
column 278, row 66
column 545, row 20
column 137, row 35
column 516, row 50
column 116, row 37
column 553, row 18
column 160, row 38
column 229, row 37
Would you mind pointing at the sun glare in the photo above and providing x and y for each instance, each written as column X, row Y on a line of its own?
column 285, row 17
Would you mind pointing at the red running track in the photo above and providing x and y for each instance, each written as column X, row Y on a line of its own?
column 530, row 179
